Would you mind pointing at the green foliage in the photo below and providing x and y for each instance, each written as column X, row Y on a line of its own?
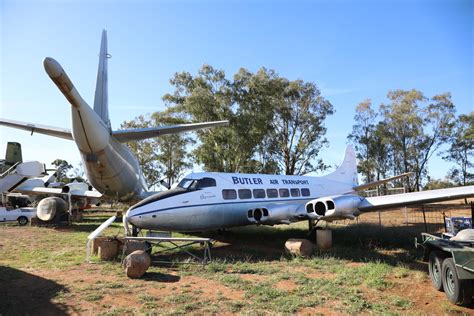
column 145, row 150
column 161, row 156
column 416, row 129
column 297, row 133
column 172, row 156
column 362, row 136
column 62, row 168
column 275, row 124
column 410, row 129
column 461, row 150
column 433, row 184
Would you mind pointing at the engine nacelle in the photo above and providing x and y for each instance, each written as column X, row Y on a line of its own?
column 269, row 216
column 49, row 207
column 258, row 215
column 334, row 208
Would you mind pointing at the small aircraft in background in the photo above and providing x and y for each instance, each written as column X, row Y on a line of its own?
column 12, row 157
column 208, row 201
column 29, row 182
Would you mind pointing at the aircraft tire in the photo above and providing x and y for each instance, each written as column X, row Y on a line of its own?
column 458, row 291
column 435, row 264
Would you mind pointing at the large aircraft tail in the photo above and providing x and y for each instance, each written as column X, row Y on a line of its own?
column 347, row 171
column 101, row 90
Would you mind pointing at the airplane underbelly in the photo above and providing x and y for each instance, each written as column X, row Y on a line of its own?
column 114, row 173
column 195, row 218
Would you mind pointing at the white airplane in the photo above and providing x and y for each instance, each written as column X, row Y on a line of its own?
column 26, row 182
column 207, row 201
column 110, row 166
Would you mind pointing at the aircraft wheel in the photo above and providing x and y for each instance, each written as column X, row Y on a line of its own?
column 458, row 291
column 22, row 220
column 434, row 268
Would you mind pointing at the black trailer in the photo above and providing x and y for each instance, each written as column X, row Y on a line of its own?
column 450, row 266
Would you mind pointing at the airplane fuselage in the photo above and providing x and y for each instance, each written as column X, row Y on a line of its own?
column 110, row 166
column 206, row 201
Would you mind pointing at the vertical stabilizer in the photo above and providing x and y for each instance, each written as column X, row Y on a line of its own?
column 13, row 154
column 101, row 101
column 347, row 171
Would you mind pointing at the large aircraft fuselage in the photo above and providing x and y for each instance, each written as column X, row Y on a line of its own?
column 110, row 166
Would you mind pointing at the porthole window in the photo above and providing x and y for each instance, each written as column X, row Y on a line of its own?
column 284, row 193
column 245, row 194
column 272, row 193
column 258, row 193
column 229, row 194
column 295, row 192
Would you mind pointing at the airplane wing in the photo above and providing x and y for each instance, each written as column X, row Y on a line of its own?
column 415, row 198
column 41, row 129
column 350, row 206
column 150, row 132
column 58, row 191
column 376, row 183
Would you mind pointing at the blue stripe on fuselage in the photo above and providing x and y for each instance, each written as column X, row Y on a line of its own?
column 222, row 203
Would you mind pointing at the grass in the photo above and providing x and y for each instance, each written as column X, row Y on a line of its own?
column 245, row 276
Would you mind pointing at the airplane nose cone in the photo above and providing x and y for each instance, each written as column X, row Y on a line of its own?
column 52, row 67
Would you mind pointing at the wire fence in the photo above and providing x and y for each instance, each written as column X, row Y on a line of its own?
column 428, row 218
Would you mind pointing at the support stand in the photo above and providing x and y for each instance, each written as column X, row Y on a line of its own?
column 177, row 243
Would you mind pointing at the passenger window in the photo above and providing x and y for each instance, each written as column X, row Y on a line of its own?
column 295, row 192
column 272, row 193
column 245, row 194
column 259, row 193
column 305, row 192
column 229, row 194
column 284, row 193
column 205, row 183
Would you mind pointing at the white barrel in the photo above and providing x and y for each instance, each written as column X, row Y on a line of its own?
column 324, row 238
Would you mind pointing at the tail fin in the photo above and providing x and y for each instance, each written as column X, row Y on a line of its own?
column 347, row 171
column 13, row 154
column 101, row 101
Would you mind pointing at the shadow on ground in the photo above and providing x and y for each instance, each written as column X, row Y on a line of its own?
column 22, row 293
column 361, row 242
column 357, row 243
column 161, row 277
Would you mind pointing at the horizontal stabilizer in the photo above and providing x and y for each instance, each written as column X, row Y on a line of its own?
column 58, row 191
column 415, row 198
column 150, row 132
column 37, row 128
column 376, row 183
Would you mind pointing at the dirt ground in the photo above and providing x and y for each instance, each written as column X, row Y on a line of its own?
column 371, row 269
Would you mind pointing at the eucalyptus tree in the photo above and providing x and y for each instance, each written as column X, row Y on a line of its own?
column 461, row 150
column 416, row 128
column 275, row 124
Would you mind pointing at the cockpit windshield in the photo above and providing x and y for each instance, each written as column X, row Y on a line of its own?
column 186, row 183
column 192, row 184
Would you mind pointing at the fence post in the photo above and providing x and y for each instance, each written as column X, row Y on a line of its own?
column 406, row 216
column 472, row 215
column 424, row 218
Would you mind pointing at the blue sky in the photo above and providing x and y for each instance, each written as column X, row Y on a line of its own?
column 352, row 50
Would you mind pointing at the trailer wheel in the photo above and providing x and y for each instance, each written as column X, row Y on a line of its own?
column 435, row 264
column 458, row 291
